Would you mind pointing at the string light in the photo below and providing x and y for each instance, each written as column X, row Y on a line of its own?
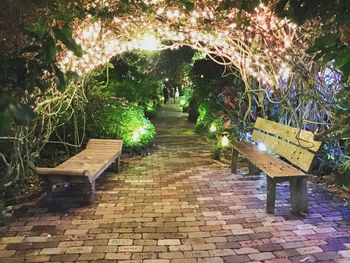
column 262, row 147
column 225, row 141
column 212, row 128
column 264, row 34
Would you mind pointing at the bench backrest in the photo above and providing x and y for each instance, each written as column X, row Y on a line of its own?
column 296, row 145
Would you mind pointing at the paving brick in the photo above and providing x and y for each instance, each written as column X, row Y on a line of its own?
column 171, row 255
column 79, row 250
column 156, row 261
column 7, row 253
column 18, row 246
column 130, row 248
column 155, row 248
column 204, row 247
column 236, row 259
column 120, row 242
column 184, row 260
column 180, row 248
column 210, row 260
column 196, row 254
column 344, row 253
column 70, row 243
column 246, row 251
column 309, row 250
column 117, row 256
column 178, row 202
column 91, row 256
column 53, row 251
column 169, row 242
column 261, row 256
column 221, row 252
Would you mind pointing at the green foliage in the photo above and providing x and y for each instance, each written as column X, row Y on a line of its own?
column 29, row 70
column 343, row 178
column 117, row 119
column 64, row 34
column 117, row 107
column 38, row 29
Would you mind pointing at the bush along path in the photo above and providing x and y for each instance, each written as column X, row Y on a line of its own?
column 178, row 205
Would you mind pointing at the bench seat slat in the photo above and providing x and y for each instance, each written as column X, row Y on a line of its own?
column 91, row 160
column 270, row 165
column 58, row 171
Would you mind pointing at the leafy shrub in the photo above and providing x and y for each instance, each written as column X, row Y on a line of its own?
column 116, row 118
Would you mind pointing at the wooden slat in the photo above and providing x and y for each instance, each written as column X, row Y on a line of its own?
column 296, row 155
column 57, row 171
column 270, row 165
column 93, row 160
column 295, row 135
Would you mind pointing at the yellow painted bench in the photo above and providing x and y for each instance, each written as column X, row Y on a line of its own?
column 294, row 145
column 83, row 168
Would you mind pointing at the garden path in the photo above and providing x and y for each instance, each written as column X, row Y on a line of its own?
column 177, row 205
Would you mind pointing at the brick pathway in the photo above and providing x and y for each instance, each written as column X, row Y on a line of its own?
column 179, row 206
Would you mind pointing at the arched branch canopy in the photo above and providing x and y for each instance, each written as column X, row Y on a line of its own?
column 257, row 43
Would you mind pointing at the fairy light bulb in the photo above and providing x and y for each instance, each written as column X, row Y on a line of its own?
column 212, row 128
column 225, row 141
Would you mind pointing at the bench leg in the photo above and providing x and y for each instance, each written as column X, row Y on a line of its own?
column 117, row 163
column 92, row 193
column 271, row 195
column 298, row 195
column 253, row 170
column 234, row 160
column 115, row 167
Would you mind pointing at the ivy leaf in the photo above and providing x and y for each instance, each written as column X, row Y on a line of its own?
column 49, row 50
column 61, row 82
column 38, row 29
column 345, row 133
column 342, row 57
column 5, row 121
column 188, row 4
column 64, row 34
column 346, row 71
column 21, row 113
column 327, row 57
column 43, row 85
column 328, row 40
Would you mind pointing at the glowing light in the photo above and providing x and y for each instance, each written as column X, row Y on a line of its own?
column 262, row 147
column 265, row 34
column 149, row 42
column 136, row 136
column 225, row 141
column 182, row 102
column 212, row 128
column 142, row 130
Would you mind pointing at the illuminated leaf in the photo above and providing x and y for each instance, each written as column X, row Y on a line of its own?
column 49, row 50
column 64, row 34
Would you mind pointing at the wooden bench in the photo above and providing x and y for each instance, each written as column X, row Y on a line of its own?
column 295, row 145
column 83, row 168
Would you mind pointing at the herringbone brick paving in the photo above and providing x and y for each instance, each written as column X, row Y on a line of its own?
column 177, row 205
